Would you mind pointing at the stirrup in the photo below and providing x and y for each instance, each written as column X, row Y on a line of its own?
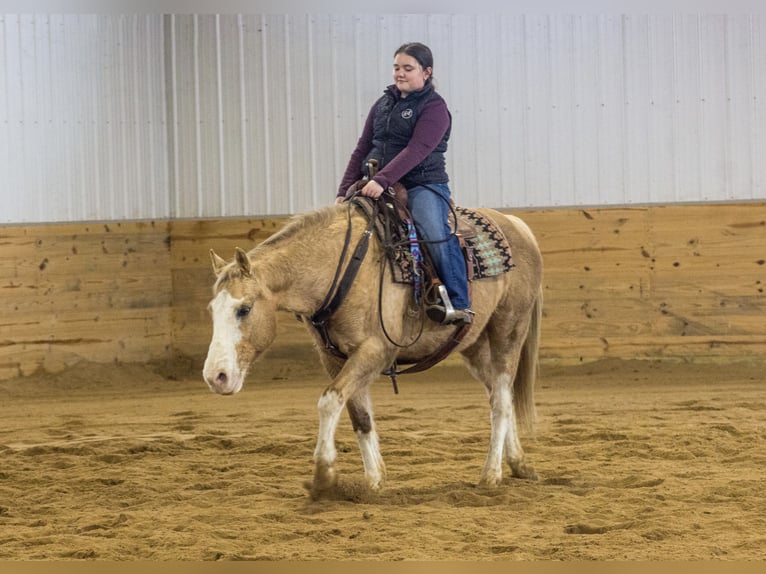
column 445, row 313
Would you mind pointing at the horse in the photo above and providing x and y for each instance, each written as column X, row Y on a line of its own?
column 377, row 324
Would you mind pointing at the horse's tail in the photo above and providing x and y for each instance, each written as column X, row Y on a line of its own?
column 526, row 374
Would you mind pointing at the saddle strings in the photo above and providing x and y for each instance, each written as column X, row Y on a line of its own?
column 388, row 246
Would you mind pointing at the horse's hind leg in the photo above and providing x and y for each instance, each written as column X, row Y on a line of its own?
column 497, row 376
column 505, row 442
column 501, row 417
column 360, row 411
column 514, row 453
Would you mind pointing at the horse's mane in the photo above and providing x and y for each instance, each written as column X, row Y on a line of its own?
column 298, row 223
column 295, row 225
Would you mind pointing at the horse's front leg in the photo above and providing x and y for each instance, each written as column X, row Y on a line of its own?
column 360, row 411
column 358, row 372
column 330, row 406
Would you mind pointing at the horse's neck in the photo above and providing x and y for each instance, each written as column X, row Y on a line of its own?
column 299, row 270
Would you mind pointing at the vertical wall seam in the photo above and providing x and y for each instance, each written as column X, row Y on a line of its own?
column 312, row 113
column 754, row 154
column 335, row 110
column 674, row 110
column 197, row 120
column 69, row 138
column 266, row 112
column 624, row 111
column 475, row 112
column 110, row 115
column 600, row 104
column 357, row 78
column 33, row 120
column 221, row 138
column 525, row 109
column 289, row 120
column 726, row 133
column 163, row 131
column 123, row 125
column 138, row 191
column 574, row 107
column 174, row 131
column 5, row 162
column 549, row 87
column 650, row 107
column 243, row 115
column 501, row 115
column 700, row 105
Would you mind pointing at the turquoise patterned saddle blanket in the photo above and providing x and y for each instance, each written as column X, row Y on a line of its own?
column 485, row 246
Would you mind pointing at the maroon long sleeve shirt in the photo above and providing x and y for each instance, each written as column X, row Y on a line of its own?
column 432, row 124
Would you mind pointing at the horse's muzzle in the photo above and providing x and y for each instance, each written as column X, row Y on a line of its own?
column 221, row 383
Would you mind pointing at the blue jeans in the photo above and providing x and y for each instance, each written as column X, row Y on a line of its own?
column 430, row 211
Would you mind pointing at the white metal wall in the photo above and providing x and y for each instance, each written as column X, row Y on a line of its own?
column 82, row 118
column 150, row 116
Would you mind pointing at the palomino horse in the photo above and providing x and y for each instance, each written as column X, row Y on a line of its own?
column 293, row 270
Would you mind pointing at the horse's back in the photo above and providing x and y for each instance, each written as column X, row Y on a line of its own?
column 516, row 230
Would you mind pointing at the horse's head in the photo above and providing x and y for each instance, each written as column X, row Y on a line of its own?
column 244, row 323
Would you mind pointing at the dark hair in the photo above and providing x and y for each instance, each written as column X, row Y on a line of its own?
column 421, row 53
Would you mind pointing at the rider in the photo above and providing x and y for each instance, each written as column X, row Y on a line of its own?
column 406, row 131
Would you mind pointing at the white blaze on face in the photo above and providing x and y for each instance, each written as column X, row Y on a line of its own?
column 222, row 372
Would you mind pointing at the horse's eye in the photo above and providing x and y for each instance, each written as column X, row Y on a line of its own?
column 243, row 312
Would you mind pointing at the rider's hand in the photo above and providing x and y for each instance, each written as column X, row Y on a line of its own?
column 372, row 189
column 340, row 199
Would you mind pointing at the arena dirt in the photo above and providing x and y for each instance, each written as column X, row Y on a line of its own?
column 637, row 460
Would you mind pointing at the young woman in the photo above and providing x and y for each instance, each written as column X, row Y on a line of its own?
column 407, row 131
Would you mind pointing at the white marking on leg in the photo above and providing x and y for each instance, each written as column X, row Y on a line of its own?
column 501, row 411
column 330, row 407
column 513, row 451
column 371, row 458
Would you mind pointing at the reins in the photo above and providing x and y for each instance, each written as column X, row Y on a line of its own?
column 339, row 289
column 335, row 296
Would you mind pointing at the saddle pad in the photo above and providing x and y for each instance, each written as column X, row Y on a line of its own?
column 491, row 250
column 486, row 243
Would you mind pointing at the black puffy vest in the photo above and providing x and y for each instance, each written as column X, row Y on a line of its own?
column 393, row 124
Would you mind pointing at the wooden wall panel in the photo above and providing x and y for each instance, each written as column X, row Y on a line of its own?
column 596, row 278
column 676, row 282
column 74, row 292
column 680, row 282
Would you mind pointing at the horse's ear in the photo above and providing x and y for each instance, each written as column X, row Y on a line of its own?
column 218, row 262
column 242, row 260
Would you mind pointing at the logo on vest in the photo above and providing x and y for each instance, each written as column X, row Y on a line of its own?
column 407, row 114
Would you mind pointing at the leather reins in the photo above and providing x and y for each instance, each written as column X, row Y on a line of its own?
column 339, row 289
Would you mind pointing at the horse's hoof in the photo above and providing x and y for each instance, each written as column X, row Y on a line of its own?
column 490, row 483
column 375, row 486
column 324, row 481
column 318, row 491
column 524, row 472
